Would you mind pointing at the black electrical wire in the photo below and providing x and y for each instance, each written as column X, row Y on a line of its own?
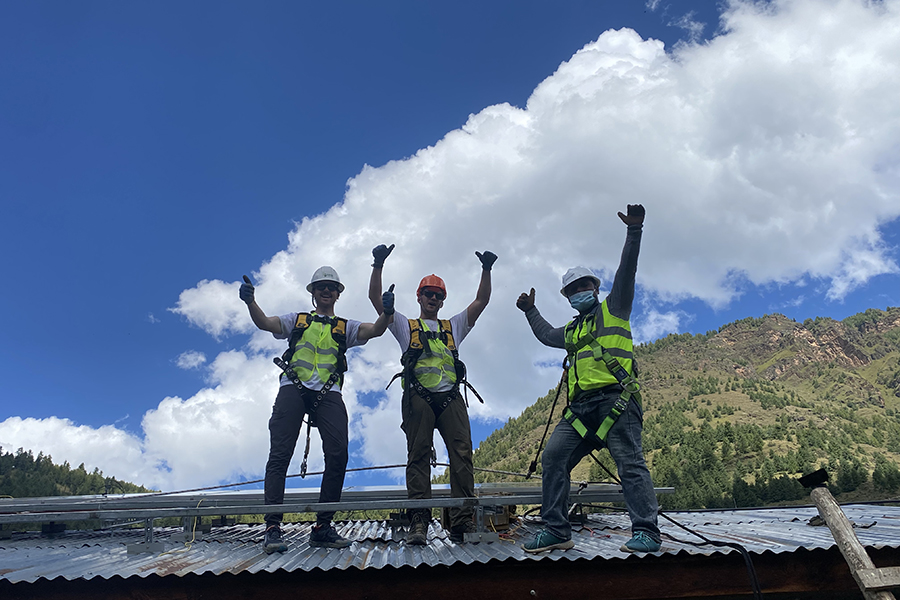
column 532, row 468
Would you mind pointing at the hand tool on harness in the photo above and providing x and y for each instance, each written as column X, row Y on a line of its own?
column 532, row 468
column 630, row 391
column 339, row 334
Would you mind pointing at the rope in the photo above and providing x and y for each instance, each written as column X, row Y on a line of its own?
column 533, row 466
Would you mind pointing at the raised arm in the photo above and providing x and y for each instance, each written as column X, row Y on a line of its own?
column 270, row 324
column 547, row 334
column 368, row 331
column 483, row 295
column 621, row 295
column 379, row 253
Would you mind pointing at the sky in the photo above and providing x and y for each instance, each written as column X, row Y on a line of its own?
column 152, row 153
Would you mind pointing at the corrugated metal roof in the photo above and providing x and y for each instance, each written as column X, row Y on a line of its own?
column 28, row 557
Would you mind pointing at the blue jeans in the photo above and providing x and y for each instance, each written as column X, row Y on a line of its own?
column 566, row 448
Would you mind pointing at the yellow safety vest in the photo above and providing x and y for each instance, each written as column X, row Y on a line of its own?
column 319, row 346
column 434, row 352
column 585, row 343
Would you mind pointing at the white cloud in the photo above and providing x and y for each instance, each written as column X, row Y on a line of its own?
column 767, row 155
column 654, row 324
column 190, row 360
column 688, row 23
column 152, row 319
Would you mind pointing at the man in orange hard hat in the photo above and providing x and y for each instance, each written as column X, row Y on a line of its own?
column 432, row 374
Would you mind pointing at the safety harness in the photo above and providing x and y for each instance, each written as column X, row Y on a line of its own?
column 420, row 343
column 339, row 335
column 630, row 387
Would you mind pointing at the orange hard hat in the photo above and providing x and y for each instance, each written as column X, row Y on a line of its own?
column 432, row 281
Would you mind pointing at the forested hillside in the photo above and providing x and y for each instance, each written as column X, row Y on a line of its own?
column 732, row 416
column 23, row 475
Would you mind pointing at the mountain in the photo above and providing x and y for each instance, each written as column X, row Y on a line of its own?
column 733, row 416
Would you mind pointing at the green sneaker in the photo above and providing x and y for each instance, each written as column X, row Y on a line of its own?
column 640, row 542
column 544, row 540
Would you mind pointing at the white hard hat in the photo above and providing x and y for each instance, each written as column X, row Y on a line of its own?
column 325, row 274
column 576, row 273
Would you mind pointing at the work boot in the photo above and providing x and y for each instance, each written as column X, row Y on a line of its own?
column 418, row 531
column 640, row 542
column 546, row 540
column 325, row 536
column 458, row 532
column 272, row 541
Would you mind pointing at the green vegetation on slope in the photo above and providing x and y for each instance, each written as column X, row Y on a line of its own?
column 22, row 475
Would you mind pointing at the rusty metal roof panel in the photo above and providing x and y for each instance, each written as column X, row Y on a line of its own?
column 28, row 557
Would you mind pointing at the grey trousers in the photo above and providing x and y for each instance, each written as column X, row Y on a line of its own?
column 419, row 425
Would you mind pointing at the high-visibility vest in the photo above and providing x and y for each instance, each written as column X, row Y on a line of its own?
column 432, row 355
column 586, row 340
column 318, row 344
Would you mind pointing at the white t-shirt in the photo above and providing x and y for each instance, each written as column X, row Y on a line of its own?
column 314, row 383
column 459, row 326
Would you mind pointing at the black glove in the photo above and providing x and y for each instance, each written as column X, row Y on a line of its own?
column 635, row 215
column 487, row 259
column 247, row 291
column 387, row 300
column 380, row 253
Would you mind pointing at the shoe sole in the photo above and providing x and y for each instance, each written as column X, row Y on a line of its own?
column 560, row 546
column 625, row 548
column 415, row 540
column 276, row 548
column 331, row 544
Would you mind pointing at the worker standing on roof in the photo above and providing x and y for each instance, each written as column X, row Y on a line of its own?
column 432, row 374
column 604, row 397
column 314, row 366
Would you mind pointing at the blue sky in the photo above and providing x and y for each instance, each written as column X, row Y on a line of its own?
column 152, row 153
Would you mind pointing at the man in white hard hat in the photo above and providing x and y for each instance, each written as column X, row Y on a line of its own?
column 604, row 396
column 313, row 366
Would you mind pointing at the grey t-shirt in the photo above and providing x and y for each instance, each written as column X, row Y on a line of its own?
column 314, row 383
column 459, row 326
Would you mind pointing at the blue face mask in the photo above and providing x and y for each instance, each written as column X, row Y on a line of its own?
column 582, row 301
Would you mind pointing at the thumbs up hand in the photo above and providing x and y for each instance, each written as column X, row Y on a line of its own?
column 387, row 301
column 247, row 291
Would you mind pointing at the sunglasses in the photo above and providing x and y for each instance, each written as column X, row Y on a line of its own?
column 432, row 294
column 321, row 287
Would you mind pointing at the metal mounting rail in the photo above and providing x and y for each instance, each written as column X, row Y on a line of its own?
column 157, row 507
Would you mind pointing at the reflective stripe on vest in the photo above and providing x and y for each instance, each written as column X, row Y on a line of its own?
column 316, row 351
column 585, row 344
column 436, row 366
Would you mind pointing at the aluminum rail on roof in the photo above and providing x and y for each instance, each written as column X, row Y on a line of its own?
column 119, row 509
column 249, row 497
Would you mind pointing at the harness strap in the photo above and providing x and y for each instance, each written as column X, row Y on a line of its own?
column 598, row 438
column 630, row 391
column 313, row 406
